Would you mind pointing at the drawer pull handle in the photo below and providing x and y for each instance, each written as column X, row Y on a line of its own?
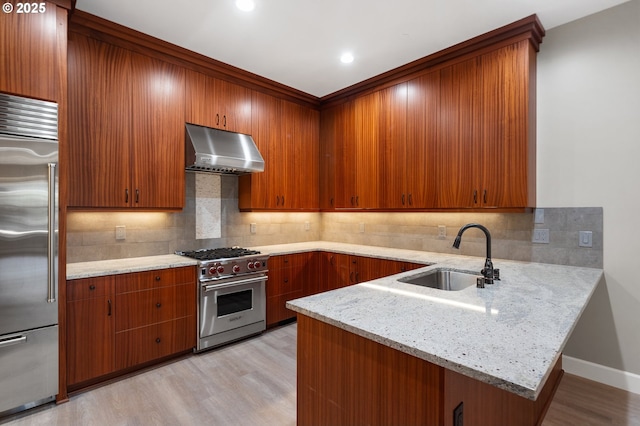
column 109, row 304
column 158, row 305
column 157, row 277
column 158, row 340
column 92, row 287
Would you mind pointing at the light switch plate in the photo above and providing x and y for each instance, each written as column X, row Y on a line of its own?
column 586, row 239
column 307, row 226
column 442, row 232
column 361, row 227
column 252, row 228
column 540, row 236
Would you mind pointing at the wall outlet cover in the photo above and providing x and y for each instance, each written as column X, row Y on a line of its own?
column 540, row 236
column 442, row 232
column 538, row 216
column 121, row 232
column 586, row 239
column 252, row 228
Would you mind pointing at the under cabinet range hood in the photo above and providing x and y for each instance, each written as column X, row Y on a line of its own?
column 218, row 151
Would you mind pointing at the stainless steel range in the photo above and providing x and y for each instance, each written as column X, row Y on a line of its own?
column 232, row 296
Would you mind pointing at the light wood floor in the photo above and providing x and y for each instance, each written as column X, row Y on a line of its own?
column 253, row 383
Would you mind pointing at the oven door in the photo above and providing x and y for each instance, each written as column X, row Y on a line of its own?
column 230, row 303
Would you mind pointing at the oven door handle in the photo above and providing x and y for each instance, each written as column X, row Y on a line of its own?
column 234, row 283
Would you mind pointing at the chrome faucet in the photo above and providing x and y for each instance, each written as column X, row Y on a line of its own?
column 488, row 272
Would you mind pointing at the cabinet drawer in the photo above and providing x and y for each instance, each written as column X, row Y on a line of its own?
column 141, row 308
column 87, row 288
column 144, row 344
column 138, row 281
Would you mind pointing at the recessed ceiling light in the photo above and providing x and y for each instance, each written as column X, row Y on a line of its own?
column 245, row 5
column 346, row 58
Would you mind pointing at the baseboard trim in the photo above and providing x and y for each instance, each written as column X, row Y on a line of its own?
column 629, row 382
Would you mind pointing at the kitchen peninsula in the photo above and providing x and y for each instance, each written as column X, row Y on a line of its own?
column 388, row 352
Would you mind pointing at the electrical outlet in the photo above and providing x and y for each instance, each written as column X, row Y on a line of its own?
column 586, row 239
column 538, row 216
column 252, row 228
column 442, row 232
column 121, row 232
column 361, row 227
column 307, row 226
column 540, row 236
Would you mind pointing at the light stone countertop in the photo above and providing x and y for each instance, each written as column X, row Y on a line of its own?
column 509, row 334
column 122, row 266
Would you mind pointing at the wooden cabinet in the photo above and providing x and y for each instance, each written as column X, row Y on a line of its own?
column 486, row 151
column 287, row 136
column 90, row 329
column 358, row 154
column 117, row 322
column 155, row 315
column 217, row 103
column 32, row 45
column 289, row 276
column 126, row 128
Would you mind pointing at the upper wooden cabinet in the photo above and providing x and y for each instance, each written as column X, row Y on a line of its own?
column 126, row 128
column 287, row 136
column 32, row 61
column 217, row 103
column 460, row 136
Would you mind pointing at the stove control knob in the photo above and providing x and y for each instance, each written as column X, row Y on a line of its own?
column 251, row 265
column 212, row 270
column 236, row 268
column 220, row 269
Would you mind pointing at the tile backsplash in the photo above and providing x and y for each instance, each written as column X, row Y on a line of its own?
column 91, row 236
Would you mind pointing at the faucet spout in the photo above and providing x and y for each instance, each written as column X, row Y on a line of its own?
column 488, row 271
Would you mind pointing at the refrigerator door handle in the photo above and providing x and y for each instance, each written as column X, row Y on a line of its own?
column 15, row 341
column 51, row 244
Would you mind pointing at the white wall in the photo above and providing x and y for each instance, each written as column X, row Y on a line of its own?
column 589, row 155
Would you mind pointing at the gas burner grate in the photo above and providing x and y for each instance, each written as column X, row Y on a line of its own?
column 218, row 253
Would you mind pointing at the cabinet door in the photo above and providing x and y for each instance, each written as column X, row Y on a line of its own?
column 330, row 133
column 394, row 163
column 508, row 172
column 28, row 63
column 99, row 123
column 300, row 141
column 459, row 148
column 90, row 329
column 367, row 156
column 232, row 105
column 423, row 111
column 158, row 103
column 345, row 155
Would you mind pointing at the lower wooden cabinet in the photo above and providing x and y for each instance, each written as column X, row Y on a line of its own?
column 298, row 275
column 90, row 328
column 120, row 321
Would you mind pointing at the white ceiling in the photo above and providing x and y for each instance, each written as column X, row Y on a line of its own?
column 298, row 43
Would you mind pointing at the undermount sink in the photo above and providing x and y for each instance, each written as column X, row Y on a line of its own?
column 443, row 279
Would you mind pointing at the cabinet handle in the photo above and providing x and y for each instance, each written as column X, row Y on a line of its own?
column 217, row 119
column 357, row 277
column 283, row 200
column 109, row 306
column 92, row 287
column 331, row 202
column 331, row 260
column 158, row 304
column 224, row 121
column 137, row 195
column 357, row 200
column 410, row 200
column 353, row 199
column 475, row 196
column 403, row 199
column 286, row 280
column 126, row 196
column 157, row 277
column 484, row 197
column 158, row 340
column 277, row 200
column 351, row 276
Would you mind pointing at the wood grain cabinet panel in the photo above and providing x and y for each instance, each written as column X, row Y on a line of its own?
column 29, row 63
column 217, row 103
column 287, row 136
column 126, row 121
column 289, row 278
column 90, row 329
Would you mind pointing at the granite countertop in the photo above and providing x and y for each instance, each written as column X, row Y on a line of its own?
column 509, row 334
column 100, row 268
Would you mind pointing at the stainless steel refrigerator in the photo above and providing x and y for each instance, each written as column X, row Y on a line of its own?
column 28, row 252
